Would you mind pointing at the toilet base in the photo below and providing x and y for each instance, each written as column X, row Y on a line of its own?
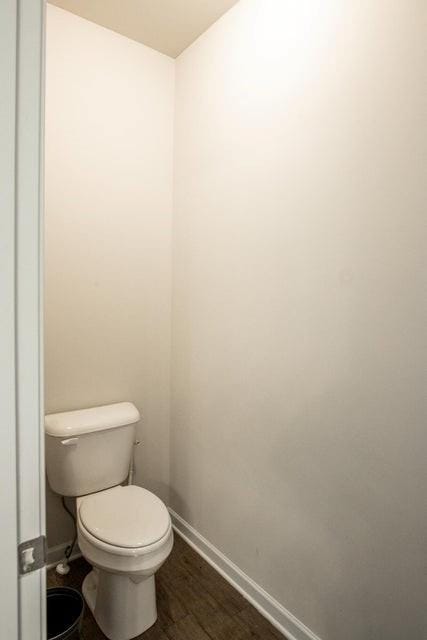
column 123, row 606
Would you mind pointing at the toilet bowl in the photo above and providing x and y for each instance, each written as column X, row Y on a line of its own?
column 125, row 533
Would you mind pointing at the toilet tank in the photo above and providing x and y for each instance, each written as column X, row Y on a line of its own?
column 90, row 449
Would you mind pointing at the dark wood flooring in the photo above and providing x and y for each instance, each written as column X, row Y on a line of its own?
column 193, row 601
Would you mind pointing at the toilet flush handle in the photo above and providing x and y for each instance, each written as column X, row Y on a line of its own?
column 70, row 442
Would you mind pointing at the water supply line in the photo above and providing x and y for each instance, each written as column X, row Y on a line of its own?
column 132, row 463
column 63, row 567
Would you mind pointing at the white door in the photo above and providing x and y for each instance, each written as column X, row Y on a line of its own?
column 22, row 599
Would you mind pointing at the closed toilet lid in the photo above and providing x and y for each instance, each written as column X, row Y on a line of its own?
column 129, row 517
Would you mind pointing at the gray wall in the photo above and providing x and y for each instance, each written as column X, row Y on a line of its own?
column 298, row 438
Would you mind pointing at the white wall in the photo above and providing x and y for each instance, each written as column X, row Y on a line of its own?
column 297, row 433
column 298, row 438
column 109, row 140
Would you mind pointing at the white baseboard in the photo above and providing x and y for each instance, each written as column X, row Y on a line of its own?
column 280, row 617
column 56, row 554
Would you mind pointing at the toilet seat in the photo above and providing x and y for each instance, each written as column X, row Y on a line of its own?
column 120, row 590
column 124, row 520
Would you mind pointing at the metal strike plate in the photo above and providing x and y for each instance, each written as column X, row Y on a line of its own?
column 32, row 555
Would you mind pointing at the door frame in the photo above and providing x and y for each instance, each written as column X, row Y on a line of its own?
column 8, row 492
column 21, row 341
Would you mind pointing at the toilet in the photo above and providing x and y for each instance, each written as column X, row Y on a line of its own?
column 124, row 531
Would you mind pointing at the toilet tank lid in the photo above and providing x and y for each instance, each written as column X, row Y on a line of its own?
column 74, row 423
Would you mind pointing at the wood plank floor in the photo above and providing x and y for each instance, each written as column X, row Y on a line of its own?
column 193, row 601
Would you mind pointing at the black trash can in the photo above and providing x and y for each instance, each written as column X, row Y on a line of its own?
column 65, row 607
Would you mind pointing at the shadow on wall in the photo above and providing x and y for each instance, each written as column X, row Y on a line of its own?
column 60, row 528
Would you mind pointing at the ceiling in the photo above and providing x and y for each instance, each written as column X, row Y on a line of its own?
column 169, row 26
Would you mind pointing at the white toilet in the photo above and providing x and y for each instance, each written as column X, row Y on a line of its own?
column 125, row 532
